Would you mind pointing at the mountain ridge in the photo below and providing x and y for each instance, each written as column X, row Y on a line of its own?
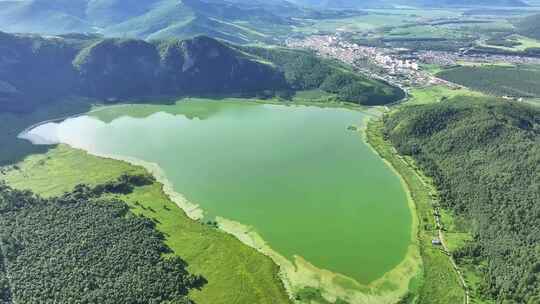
column 150, row 19
column 237, row 21
column 36, row 69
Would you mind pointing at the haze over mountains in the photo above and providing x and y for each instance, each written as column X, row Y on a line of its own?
column 238, row 21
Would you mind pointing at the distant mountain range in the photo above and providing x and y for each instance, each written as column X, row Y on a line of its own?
column 450, row 3
column 35, row 70
column 336, row 4
column 237, row 21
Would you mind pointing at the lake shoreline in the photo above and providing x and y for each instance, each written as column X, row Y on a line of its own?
column 294, row 275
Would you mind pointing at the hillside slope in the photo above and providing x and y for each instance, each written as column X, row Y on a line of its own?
column 483, row 156
column 305, row 71
column 34, row 67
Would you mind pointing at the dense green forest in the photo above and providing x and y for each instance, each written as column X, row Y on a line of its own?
column 5, row 290
column 86, row 247
column 303, row 70
column 483, row 156
column 515, row 81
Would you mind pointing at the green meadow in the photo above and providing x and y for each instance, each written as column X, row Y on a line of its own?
column 437, row 93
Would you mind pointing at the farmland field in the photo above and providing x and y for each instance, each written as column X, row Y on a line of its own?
column 514, row 81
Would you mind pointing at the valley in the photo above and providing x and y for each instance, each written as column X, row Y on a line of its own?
column 233, row 151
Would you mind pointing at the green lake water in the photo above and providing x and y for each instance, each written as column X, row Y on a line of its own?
column 309, row 186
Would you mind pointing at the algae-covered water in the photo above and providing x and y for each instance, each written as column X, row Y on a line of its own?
column 308, row 185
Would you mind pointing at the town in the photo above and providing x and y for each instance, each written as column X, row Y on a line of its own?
column 398, row 66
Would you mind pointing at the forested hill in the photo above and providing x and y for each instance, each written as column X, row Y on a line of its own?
column 35, row 70
column 530, row 26
column 484, row 157
column 237, row 21
column 305, row 71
